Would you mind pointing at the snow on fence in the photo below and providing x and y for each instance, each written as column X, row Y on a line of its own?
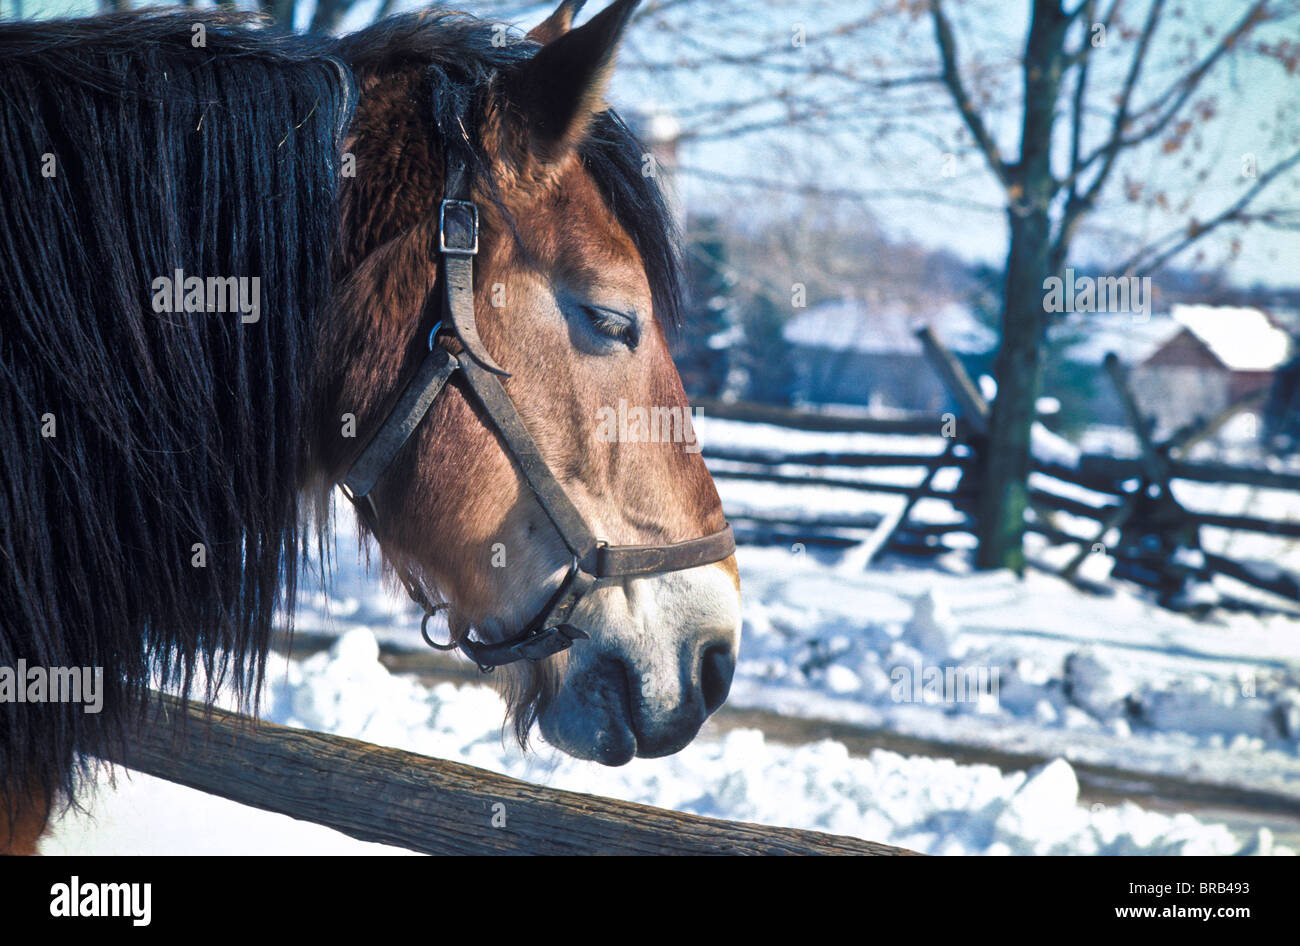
column 428, row 805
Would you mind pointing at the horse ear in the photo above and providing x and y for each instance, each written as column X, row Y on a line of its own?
column 558, row 23
column 563, row 85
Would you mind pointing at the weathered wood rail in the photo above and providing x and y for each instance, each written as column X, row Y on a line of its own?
column 428, row 805
column 797, row 419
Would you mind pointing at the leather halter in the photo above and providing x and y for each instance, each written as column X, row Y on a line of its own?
column 593, row 560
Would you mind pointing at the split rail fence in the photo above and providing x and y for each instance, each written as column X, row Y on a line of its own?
column 1158, row 538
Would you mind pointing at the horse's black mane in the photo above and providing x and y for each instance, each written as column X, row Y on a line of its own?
column 179, row 429
column 172, row 430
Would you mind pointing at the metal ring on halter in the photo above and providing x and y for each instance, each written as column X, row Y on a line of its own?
column 424, row 630
column 433, row 334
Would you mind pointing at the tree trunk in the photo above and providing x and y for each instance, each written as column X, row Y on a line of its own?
column 1005, row 493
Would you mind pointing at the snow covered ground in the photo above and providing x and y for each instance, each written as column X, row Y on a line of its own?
column 925, row 804
column 929, row 650
column 1113, row 681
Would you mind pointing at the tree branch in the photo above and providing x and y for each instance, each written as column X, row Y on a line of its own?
column 1061, row 244
column 837, row 193
column 1152, row 256
column 1182, row 90
column 1190, row 82
column 951, row 76
column 1077, row 204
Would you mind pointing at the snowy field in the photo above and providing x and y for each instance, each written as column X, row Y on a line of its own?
column 1111, row 681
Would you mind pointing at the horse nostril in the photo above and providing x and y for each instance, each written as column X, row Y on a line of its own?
column 716, row 669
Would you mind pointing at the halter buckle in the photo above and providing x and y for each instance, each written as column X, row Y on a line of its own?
column 464, row 215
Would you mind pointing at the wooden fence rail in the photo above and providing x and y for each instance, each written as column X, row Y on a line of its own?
column 863, row 486
column 1116, row 468
column 795, row 419
column 428, row 805
column 827, row 458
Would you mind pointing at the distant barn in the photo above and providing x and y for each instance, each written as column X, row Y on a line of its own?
column 1187, row 366
column 866, row 354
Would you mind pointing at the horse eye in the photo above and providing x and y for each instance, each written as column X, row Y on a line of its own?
column 611, row 323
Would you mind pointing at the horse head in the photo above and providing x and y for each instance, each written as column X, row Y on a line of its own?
column 575, row 281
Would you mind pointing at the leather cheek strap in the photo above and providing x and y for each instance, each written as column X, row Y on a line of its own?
column 415, row 401
column 555, row 502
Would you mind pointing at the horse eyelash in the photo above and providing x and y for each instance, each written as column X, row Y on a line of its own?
column 614, row 324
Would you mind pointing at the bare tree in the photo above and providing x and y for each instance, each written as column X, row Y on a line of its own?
column 1047, row 203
